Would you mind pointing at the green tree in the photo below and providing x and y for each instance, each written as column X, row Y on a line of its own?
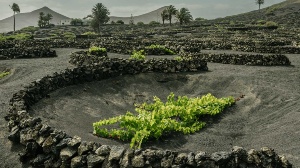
column 164, row 16
column 76, row 21
column 184, row 16
column 47, row 18
column 100, row 16
column 15, row 7
column 259, row 2
column 154, row 23
column 171, row 10
column 41, row 22
column 131, row 21
column 119, row 22
column 140, row 23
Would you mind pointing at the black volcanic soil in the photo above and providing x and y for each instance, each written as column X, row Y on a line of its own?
column 268, row 115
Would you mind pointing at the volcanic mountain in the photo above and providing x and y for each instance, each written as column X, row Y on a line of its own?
column 146, row 18
column 29, row 19
column 286, row 12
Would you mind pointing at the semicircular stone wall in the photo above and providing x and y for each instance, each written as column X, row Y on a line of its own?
column 46, row 146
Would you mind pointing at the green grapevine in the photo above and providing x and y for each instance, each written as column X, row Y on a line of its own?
column 181, row 114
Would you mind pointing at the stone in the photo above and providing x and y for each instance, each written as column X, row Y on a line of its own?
column 116, row 153
column 28, row 135
column 84, row 148
column 14, row 134
column 181, row 159
column 75, row 141
column 78, row 162
column 67, row 153
column 103, row 150
column 138, row 161
column 94, row 161
column 126, row 159
column 191, row 159
column 221, row 157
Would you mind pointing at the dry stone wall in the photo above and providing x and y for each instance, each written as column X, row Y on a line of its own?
column 46, row 146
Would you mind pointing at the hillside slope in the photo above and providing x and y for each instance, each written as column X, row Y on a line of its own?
column 287, row 12
column 29, row 19
column 146, row 18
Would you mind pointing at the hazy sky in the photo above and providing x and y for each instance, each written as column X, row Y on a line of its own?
column 208, row 9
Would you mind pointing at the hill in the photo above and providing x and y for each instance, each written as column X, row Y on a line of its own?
column 146, row 18
column 29, row 19
column 287, row 12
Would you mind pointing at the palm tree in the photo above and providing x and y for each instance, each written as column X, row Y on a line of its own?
column 48, row 17
column 184, row 16
column 259, row 2
column 100, row 16
column 164, row 15
column 15, row 7
column 171, row 10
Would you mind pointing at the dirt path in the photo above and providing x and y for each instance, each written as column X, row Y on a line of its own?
column 267, row 116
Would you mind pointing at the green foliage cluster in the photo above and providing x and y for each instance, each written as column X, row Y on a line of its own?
column 19, row 36
column 120, row 22
column 30, row 29
column 44, row 20
column 98, row 51
column 138, row 55
column 160, row 48
column 181, row 114
column 69, row 35
column 140, row 23
column 3, row 74
column 76, row 22
column 89, row 33
column 154, row 23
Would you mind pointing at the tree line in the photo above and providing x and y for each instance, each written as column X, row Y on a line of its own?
column 100, row 14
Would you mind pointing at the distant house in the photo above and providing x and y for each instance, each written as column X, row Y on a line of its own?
column 65, row 22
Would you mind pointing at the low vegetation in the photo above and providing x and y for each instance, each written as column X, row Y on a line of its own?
column 138, row 55
column 181, row 114
column 3, row 74
column 98, row 51
column 159, row 49
column 18, row 36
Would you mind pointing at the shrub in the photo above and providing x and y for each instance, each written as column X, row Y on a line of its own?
column 140, row 23
column 3, row 74
column 271, row 24
column 138, row 55
column 154, row 23
column 159, row 50
column 97, row 51
column 30, row 29
column 69, row 35
column 89, row 33
column 153, row 120
column 18, row 36
column 120, row 22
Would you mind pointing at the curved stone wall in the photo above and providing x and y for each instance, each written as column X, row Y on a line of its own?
column 46, row 146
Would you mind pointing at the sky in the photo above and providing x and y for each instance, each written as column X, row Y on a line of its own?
column 208, row 9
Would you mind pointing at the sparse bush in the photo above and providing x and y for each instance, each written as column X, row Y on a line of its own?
column 138, row 55
column 89, row 33
column 3, row 74
column 140, row 23
column 181, row 114
column 19, row 36
column 154, row 23
column 271, row 24
column 69, row 35
column 159, row 49
column 30, row 29
column 119, row 22
column 98, row 51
